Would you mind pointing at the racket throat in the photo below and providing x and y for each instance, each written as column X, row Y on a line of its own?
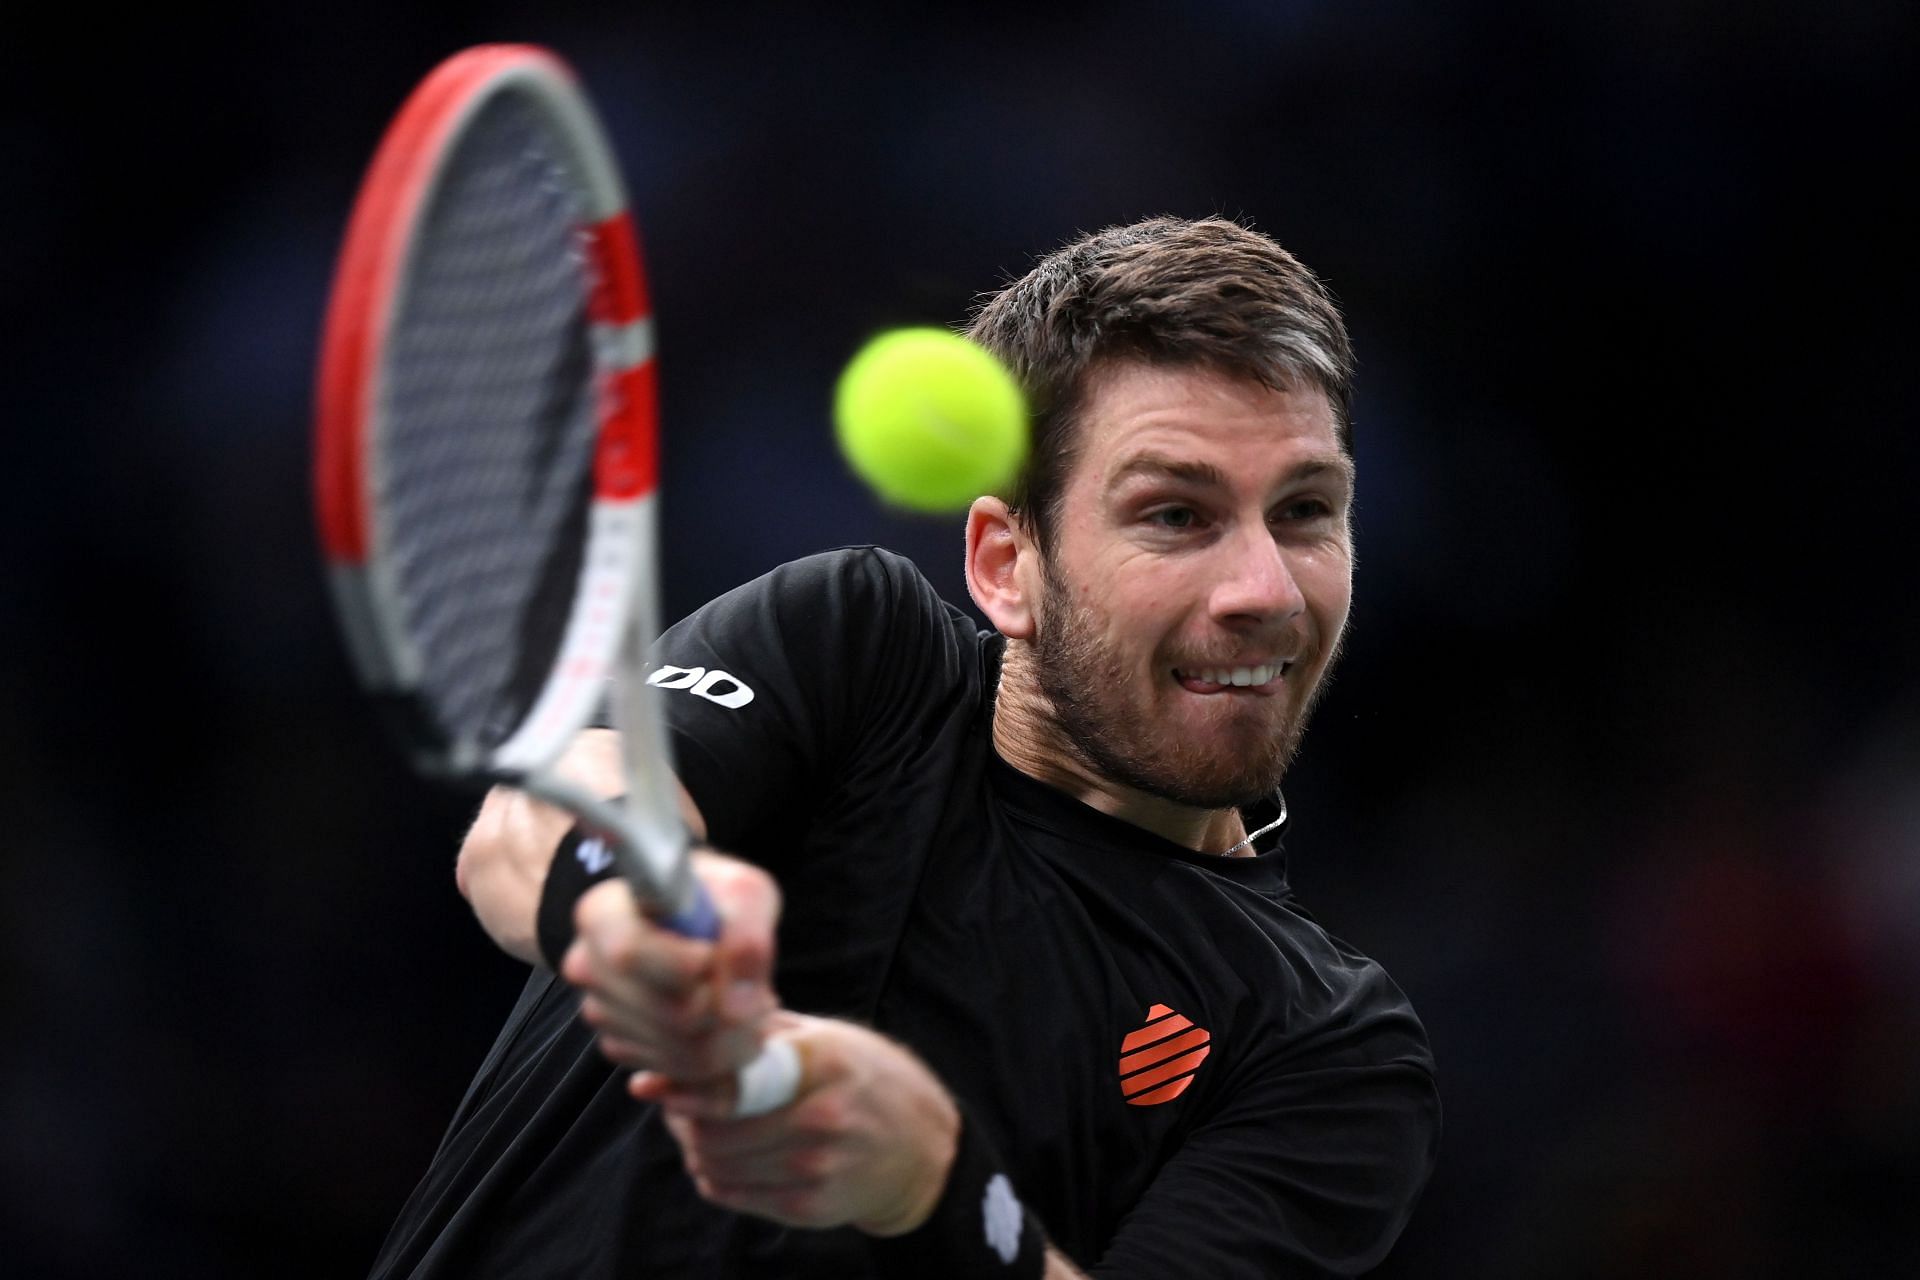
column 651, row 853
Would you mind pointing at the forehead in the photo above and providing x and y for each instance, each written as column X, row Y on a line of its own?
column 1187, row 413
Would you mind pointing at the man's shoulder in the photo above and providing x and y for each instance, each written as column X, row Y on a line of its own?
column 858, row 585
column 859, row 564
column 862, row 620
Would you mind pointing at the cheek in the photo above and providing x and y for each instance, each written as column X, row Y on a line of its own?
column 1339, row 603
column 1327, row 583
column 1130, row 627
column 1146, row 614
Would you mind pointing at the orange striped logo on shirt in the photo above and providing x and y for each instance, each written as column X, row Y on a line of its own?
column 1157, row 1062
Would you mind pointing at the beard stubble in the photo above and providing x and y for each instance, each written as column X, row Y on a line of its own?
column 1079, row 670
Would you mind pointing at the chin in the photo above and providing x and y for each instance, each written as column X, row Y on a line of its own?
column 1223, row 776
column 1234, row 788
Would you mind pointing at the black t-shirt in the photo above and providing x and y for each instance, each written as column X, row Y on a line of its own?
column 1184, row 1074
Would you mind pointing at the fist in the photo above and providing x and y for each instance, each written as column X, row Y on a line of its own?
column 868, row 1140
column 686, row 1008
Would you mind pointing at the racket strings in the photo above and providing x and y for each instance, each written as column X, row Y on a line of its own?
column 490, row 424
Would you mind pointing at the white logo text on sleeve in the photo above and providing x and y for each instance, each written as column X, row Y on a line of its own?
column 715, row 686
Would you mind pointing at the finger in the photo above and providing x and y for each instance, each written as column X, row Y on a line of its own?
column 623, row 1052
column 799, row 1205
column 768, row 1138
column 626, row 950
column 686, row 1098
column 774, row 1079
column 679, row 1059
column 748, row 902
column 615, row 1000
column 771, row 1161
column 758, row 1175
column 576, row 966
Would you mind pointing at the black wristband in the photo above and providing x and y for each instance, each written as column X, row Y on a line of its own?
column 582, row 861
column 979, row 1227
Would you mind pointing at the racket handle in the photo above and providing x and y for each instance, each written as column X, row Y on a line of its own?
column 697, row 919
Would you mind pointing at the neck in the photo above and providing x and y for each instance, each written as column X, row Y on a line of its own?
column 1026, row 733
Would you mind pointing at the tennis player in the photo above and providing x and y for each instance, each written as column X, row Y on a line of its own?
column 1016, row 897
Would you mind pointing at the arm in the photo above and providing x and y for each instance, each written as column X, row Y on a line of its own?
column 504, row 860
column 836, row 656
column 870, row 1142
column 688, row 1007
column 873, row 1134
column 1309, row 1167
column 1060, row 1267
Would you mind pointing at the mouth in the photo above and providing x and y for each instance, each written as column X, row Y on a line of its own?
column 1263, row 678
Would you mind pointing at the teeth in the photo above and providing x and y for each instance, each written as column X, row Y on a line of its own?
column 1240, row 677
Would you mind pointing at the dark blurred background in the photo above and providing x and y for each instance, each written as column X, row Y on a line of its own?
column 1621, row 778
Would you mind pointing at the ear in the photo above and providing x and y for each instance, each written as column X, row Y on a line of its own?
column 1001, row 567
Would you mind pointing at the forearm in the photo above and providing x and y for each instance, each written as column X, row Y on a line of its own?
column 503, row 864
column 1060, row 1267
column 873, row 1140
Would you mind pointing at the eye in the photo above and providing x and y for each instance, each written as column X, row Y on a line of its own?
column 1174, row 518
column 1303, row 510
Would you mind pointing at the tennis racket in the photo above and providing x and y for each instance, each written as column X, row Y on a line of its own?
column 487, row 461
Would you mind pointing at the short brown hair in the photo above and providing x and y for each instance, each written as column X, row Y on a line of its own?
column 1164, row 291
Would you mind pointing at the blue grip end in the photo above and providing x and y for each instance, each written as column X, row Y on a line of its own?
column 699, row 920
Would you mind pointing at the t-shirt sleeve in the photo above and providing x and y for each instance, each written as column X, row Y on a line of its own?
column 1308, row 1170
column 779, row 689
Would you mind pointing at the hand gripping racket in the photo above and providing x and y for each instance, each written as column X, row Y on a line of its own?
column 487, row 460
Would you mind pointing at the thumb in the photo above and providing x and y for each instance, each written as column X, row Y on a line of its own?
column 605, row 913
column 748, row 902
column 809, row 1061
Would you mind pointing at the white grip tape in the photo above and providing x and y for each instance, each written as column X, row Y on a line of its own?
column 770, row 1081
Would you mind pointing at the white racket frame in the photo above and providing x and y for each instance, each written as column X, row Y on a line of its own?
column 615, row 610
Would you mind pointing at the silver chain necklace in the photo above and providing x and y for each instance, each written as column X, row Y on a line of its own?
column 1262, row 831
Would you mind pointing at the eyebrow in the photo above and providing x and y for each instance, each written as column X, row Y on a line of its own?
column 1160, row 467
column 1205, row 474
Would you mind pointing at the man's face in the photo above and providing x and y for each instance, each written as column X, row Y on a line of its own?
column 1199, row 581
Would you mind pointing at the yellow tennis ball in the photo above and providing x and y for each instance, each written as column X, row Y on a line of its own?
column 930, row 420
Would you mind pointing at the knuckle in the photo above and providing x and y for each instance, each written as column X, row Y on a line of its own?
column 707, row 1129
column 623, row 952
column 685, row 1062
column 725, row 1194
column 738, row 879
column 737, row 1044
column 684, row 1018
column 824, row 1115
column 809, row 1166
column 685, row 968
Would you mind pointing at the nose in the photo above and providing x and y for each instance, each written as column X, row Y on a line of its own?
column 1256, row 583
